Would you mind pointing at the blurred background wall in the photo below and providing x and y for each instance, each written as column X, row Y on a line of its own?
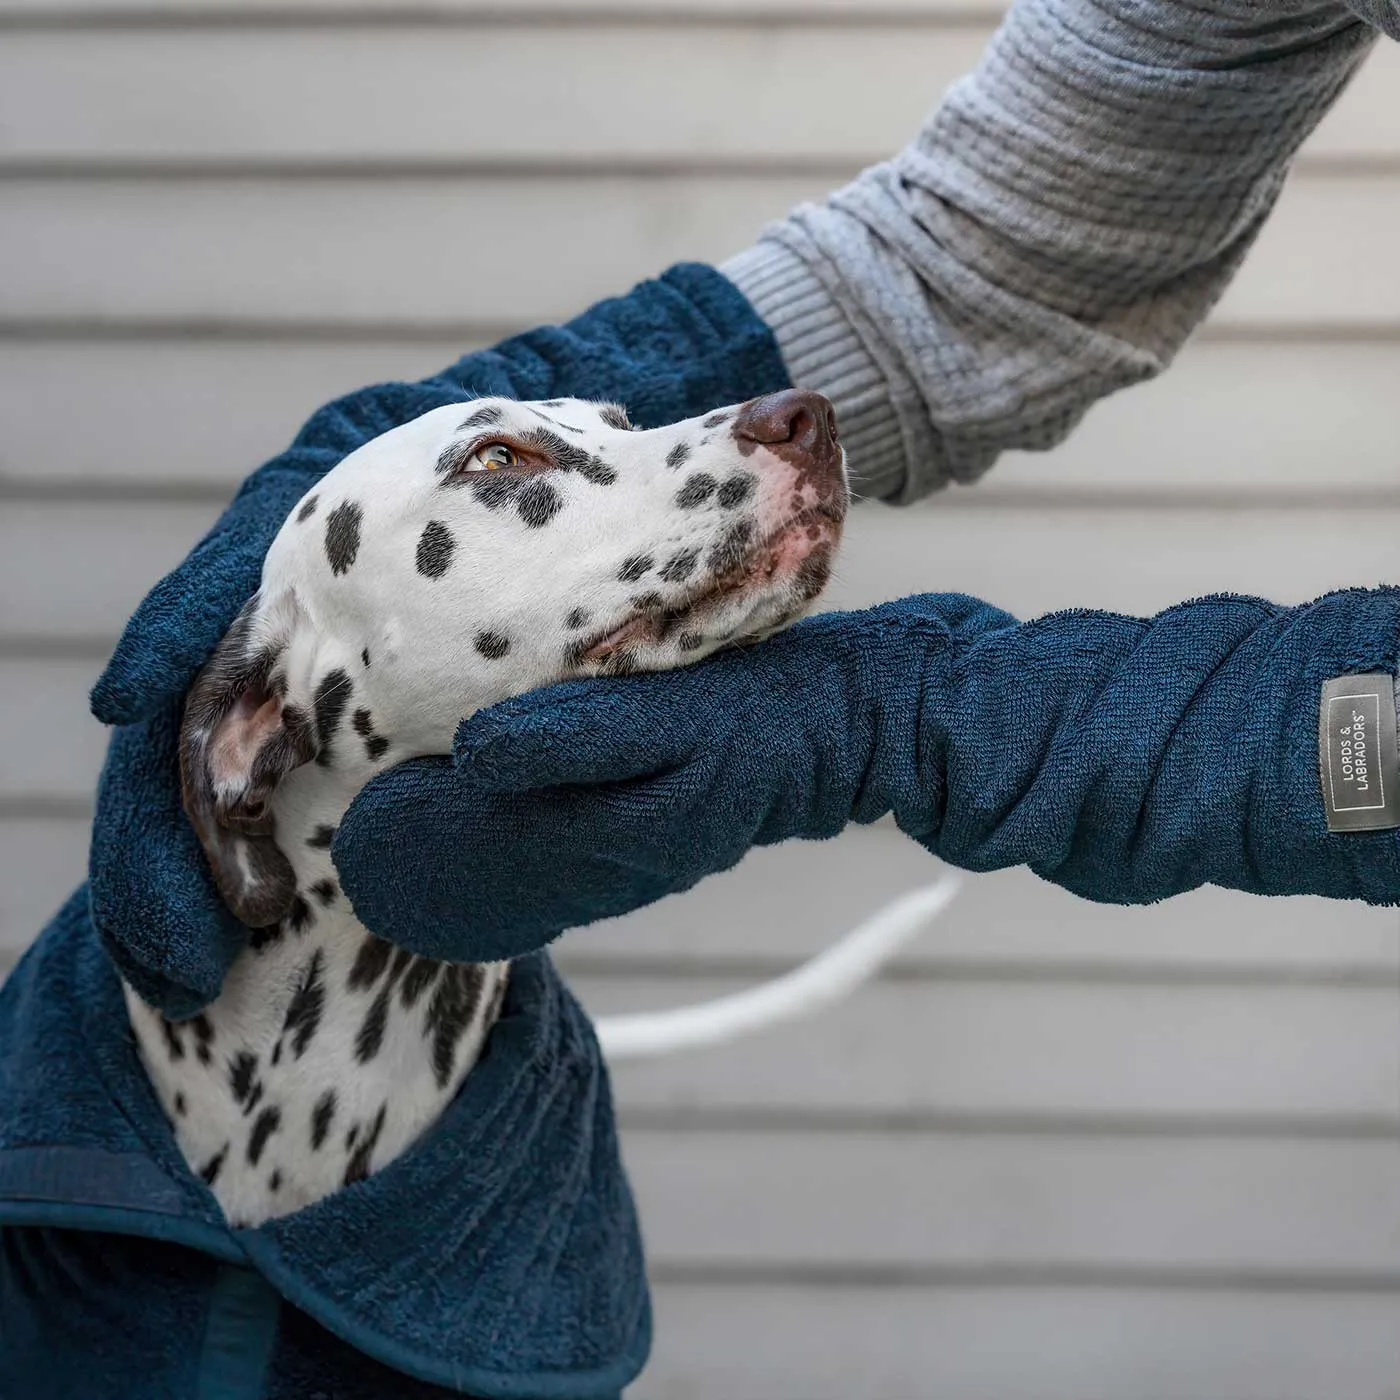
column 1059, row 1150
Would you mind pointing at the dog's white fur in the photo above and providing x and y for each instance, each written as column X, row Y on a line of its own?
column 461, row 583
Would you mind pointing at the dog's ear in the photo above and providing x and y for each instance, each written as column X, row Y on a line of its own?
column 239, row 739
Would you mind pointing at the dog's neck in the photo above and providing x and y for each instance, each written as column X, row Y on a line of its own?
column 328, row 1051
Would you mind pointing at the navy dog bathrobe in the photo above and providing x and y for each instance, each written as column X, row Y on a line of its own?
column 499, row 1257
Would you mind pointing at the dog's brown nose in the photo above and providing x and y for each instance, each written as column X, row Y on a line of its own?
column 798, row 416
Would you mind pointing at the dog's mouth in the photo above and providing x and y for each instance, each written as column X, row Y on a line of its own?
column 751, row 590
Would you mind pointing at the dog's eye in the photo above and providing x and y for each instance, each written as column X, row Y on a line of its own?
column 491, row 457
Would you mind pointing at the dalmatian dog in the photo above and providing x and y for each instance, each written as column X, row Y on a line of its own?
column 482, row 550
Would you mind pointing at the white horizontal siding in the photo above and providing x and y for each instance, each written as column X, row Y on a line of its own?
column 1016, row 1201
column 41, row 859
column 974, row 1048
column 1060, row 1151
column 46, row 701
column 300, row 94
column 867, row 1340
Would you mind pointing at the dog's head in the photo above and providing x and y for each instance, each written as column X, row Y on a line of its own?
column 483, row 550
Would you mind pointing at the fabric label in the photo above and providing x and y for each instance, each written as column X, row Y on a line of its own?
column 1357, row 753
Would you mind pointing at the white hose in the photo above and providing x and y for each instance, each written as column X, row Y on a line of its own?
column 833, row 973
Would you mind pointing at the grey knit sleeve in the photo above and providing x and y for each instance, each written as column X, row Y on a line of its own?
column 1069, row 213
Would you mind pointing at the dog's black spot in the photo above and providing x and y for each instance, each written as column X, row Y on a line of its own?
column 370, row 963
column 321, row 838
column 566, row 457
column 308, row 509
column 254, row 1099
column 300, row 916
column 733, row 545
column 321, row 1116
column 174, row 1045
column 435, row 547
column 274, row 1182
column 679, row 567
column 260, row 938
column 538, row 503
column 678, row 454
column 648, row 602
column 632, row 569
column 351, row 1136
column 553, row 403
column 241, row 1072
column 615, row 416
column 203, row 1038
column 576, row 619
column 690, row 641
column 481, row 418
column 343, row 536
column 491, row 645
column 376, row 745
column 812, row 574
column 736, row 490
column 331, row 697
column 304, row 1011
column 209, row 1172
column 714, row 420
column 697, row 490
column 325, row 891
column 264, row 1125
column 420, row 977
column 492, row 489
column 370, row 1036
column 450, row 1013
column 180, row 1105
column 357, row 1168
column 364, row 657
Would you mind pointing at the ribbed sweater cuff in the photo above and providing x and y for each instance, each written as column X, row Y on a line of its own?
column 823, row 352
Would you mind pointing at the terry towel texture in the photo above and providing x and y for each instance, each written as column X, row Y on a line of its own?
column 1128, row 759
column 499, row 1257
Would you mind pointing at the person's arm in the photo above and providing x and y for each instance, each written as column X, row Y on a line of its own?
column 1068, row 215
column 1127, row 759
